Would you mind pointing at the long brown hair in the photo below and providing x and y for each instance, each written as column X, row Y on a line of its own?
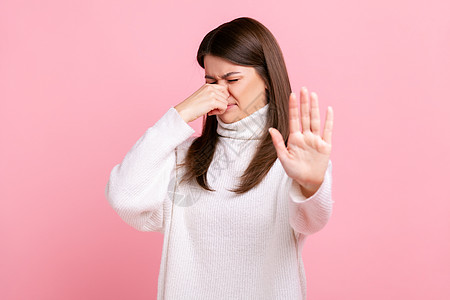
column 244, row 41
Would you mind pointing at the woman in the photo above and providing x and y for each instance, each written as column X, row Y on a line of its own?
column 235, row 204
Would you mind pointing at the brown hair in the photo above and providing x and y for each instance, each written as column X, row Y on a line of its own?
column 244, row 41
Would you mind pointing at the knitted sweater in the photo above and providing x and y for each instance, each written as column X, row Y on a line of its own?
column 218, row 245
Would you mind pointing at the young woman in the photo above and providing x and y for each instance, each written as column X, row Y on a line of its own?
column 236, row 203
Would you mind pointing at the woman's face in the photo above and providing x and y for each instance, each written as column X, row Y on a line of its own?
column 246, row 87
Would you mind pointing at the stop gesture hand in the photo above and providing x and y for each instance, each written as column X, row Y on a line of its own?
column 305, row 159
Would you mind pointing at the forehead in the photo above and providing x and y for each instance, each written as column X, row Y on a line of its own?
column 218, row 66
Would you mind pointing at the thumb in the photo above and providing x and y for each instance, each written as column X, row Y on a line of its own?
column 278, row 142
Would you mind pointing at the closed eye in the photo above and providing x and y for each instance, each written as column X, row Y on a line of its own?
column 232, row 80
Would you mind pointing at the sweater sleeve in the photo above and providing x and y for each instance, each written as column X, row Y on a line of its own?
column 138, row 186
column 309, row 215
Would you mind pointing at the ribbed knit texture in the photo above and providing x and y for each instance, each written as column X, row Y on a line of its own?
column 218, row 245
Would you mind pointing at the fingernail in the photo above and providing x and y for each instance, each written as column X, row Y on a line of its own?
column 293, row 94
column 269, row 129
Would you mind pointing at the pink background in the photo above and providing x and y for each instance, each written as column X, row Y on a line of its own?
column 80, row 82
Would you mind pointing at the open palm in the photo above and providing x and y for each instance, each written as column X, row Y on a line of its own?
column 305, row 159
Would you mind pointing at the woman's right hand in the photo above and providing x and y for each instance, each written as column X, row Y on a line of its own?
column 209, row 98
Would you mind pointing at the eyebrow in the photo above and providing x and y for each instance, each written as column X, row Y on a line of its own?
column 223, row 76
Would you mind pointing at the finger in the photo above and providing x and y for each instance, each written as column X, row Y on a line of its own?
column 294, row 118
column 304, row 109
column 315, row 114
column 221, row 93
column 212, row 112
column 224, row 99
column 216, row 111
column 328, row 125
column 278, row 142
column 220, row 97
column 221, row 107
column 223, row 90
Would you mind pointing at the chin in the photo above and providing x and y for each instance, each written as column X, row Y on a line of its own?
column 226, row 118
column 229, row 117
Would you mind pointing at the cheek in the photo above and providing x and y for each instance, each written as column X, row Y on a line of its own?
column 237, row 91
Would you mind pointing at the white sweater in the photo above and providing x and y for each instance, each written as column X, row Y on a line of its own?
column 218, row 245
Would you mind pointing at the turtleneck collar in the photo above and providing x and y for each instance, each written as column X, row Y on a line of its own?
column 249, row 128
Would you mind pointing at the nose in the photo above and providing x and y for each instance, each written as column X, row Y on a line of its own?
column 224, row 84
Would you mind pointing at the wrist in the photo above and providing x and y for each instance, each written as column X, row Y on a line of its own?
column 309, row 189
column 182, row 113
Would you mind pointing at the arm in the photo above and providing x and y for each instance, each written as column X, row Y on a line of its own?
column 138, row 186
column 308, row 215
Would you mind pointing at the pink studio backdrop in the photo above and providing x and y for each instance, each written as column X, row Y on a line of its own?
column 81, row 81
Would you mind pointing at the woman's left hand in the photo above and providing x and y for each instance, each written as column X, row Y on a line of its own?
column 307, row 154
